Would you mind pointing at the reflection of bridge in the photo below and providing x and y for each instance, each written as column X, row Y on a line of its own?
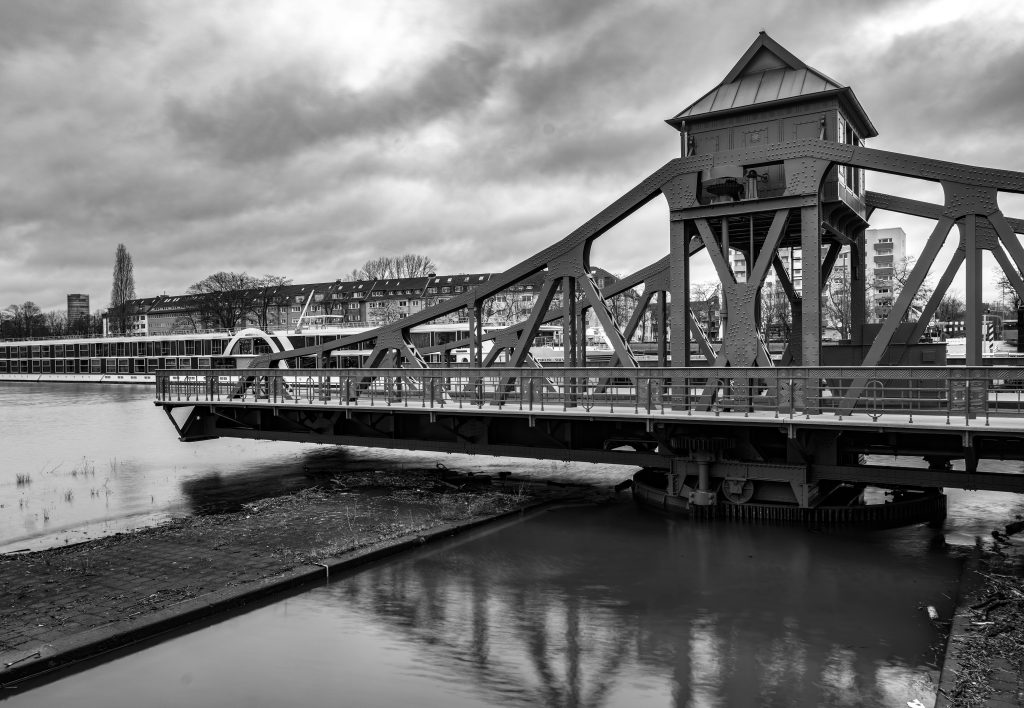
column 562, row 610
column 773, row 158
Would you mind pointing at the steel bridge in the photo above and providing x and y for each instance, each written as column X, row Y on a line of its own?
column 772, row 158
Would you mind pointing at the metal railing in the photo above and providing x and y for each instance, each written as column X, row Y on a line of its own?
column 783, row 392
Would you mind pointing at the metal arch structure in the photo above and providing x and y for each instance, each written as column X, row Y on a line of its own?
column 971, row 204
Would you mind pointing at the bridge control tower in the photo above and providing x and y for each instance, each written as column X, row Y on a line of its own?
column 745, row 201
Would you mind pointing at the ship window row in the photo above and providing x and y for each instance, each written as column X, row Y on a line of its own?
column 111, row 365
column 170, row 347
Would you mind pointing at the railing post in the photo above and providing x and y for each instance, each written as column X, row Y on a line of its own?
column 967, row 401
column 778, row 395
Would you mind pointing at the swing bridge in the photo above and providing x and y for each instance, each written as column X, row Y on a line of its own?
column 772, row 158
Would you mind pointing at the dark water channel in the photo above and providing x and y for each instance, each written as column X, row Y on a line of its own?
column 591, row 606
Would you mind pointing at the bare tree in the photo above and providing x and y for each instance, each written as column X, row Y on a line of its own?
column 122, row 292
column 225, row 302
column 56, row 322
column 1008, row 301
column 951, row 308
column 25, row 320
column 506, row 307
column 408, row 265
column 622, row 306
column 900, row 275
column 269, row 293
column 386, row 312
column 838, row 303
column 705, row 303
column 6, row 322
column 776, row 313
column 413, row 265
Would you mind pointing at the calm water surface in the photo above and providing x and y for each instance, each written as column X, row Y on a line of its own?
column 102, row 458
column 589, row 606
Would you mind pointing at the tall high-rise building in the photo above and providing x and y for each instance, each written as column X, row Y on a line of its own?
column 885, row 258
column 78, row 308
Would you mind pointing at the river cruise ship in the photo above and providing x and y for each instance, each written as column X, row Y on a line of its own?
column 137, row 358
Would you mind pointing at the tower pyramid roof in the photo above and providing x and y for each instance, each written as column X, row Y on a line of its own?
column 766, row 73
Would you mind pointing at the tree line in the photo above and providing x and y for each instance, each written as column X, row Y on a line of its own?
column 27, row 320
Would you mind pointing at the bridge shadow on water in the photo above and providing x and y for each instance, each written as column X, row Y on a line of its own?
column 217, row 493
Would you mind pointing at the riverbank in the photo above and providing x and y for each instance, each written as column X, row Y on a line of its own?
column 67, row 604
column 984, row 663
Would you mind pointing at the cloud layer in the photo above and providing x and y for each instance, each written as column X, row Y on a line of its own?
column 303, row 138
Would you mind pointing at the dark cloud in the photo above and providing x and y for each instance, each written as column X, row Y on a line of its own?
column 956, row 90
column 535, row 19
column 281, row 114
column 74, row 25
column 204, row 139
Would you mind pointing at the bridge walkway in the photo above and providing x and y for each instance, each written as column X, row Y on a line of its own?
column 758, row 424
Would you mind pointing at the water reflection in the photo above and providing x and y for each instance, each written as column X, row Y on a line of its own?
column 578, row 613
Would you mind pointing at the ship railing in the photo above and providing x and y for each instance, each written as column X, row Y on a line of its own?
column 122, row 335
column 893, row 393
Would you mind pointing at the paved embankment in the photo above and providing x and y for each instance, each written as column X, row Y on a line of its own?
column 66, row 604
column 984, row 663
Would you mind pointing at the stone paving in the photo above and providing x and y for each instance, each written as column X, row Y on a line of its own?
column 65, row 603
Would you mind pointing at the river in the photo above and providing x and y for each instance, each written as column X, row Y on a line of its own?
column 587, row 606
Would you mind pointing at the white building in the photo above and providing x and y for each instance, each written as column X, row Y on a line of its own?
column 885, row 257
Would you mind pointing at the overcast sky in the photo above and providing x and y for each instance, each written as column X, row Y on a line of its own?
column 302, row 137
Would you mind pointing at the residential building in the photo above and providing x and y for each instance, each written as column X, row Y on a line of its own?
column 366, row 303
column 885, row 260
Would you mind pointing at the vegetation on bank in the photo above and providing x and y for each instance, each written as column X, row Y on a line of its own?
column 993, row 643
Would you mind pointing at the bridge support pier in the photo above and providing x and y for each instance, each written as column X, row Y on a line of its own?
column 704, row 496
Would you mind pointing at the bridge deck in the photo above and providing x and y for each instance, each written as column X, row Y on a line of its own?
column 933, row 397
column 799, row 424
column 889, row 420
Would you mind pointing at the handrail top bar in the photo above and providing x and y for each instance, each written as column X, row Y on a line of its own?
column 763, row 372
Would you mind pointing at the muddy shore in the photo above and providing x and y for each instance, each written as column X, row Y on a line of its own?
column 984, row 663
column 66, row 604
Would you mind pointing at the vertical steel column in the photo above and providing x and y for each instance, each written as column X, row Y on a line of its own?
column 810, row 340
column 679, row 282
column 569, row 346
column 663, row 328
column 728, row 263
column 806, row 396
column 972, row 328
column 581, row 329
column 859, row 310
column 474, row 336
